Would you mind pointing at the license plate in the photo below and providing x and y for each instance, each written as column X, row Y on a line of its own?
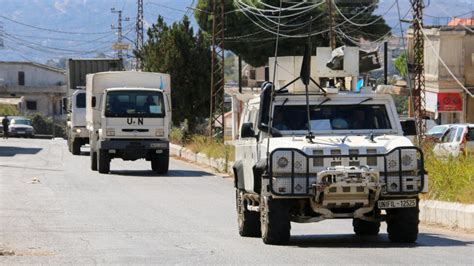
column 21, row 132
column 158, row 145
column 401, row 203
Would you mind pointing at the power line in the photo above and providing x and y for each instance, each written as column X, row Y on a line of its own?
column 53, row 30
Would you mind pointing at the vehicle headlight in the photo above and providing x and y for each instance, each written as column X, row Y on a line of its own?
column 282, row 162
column 408, row 160
column 159, row 132
column 110, row 132
column 78, row 130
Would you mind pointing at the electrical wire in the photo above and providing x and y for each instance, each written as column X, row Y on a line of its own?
column 360, row 24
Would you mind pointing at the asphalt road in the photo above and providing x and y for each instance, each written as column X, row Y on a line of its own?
column 54, row 210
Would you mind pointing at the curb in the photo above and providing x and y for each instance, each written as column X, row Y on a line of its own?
column 449, row 214
column 452, row 215
column 201, row 158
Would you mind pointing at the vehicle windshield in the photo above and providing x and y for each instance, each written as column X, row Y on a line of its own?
column 134, row 104
column 331, row 117
column 81, row 100
column 436, row 130
column 21, row 122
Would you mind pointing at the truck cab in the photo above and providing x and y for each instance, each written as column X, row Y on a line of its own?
column 333, row 155
column 77, row 134
column 129, row 117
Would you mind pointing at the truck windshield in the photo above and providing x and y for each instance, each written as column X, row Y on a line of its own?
column 331, row 117
column 134, row 104
column 81, row 100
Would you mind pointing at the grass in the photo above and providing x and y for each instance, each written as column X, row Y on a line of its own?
column 450, row 179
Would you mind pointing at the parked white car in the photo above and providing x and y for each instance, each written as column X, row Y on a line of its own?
column 457, row 140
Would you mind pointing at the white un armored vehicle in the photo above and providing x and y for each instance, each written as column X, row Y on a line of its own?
column 350, row 161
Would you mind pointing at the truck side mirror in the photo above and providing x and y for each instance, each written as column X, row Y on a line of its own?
column 93, row 101
column 65, row 103
column 264, row 110
column 409, row 128
column 246, row 131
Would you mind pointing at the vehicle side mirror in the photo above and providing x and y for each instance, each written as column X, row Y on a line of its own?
column 265, row 100
column 246, row 131
column 65, row 103
column 93, row 102
column 409, row 128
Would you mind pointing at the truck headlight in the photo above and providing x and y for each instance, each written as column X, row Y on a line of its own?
column 110, row 132
column 408, row 160
column 282, row 162
column 78, row 130
column 159, row 132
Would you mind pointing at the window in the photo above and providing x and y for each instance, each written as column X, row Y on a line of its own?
column 31, row 105
column 81, row 100
column 134, row 104
column 470, row 134
column 459, row 134
column 331, row 117
column 21, row 78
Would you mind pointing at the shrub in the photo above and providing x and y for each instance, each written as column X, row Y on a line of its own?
column 44, row 126
column 10, row 110
column 450, row 179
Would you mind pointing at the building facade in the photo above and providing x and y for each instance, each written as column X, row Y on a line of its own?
column 41, row 87
column 446, row 100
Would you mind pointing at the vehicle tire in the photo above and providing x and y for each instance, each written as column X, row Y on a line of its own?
column 248, row 221
column 93, row 156
column 160, row 162
column 402, row 224
column 76, row 147
column 103, row 163
column 362, row 227
column 275, row 221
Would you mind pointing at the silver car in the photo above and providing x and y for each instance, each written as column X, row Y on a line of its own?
column 21, row 127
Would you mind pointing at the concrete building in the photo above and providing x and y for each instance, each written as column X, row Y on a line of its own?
column 41, row 87
column 446, row 100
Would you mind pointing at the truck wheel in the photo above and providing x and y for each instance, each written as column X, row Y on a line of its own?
column 402, row 224
column 93, row 156
column 103, row 162
column 362, row 227
column 76, row 147
column 275, row 221
column 160, row 162
column 248, row 221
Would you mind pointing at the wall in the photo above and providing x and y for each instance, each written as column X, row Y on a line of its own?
column 34, row 75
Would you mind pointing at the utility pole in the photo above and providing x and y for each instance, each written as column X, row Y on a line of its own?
column 139, row 30
column 119, row 30
column 216, row 121
column 418, row 94
column 1, row 35
column 332, row 34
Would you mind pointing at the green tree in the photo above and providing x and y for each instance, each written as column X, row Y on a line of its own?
column 255, row 45
column 176, row 50
column 401, row 64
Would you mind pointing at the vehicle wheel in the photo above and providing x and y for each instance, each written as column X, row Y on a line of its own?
column 103, row 163
column 160, row 162
column 275, row 221
column 362, row 227
column 93, row 156
column 248, row 221
column 76, row 147
column 402, row 224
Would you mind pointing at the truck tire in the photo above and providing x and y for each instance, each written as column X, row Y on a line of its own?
column 69, row 145
column 248, row 221
column 103, row 163
column 402, row 224
column 160, row 162
column 275, row 221
column 93, row 157
column 362, row 227
column 76, row 147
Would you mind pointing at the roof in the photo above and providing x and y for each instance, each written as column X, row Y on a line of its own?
column 62, row 71
column 462, row 21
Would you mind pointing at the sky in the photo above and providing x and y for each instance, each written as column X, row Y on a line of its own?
column 38, row 30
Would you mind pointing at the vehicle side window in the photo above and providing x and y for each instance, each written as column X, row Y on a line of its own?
column 447, row 134
column 470, row 134
column 452, row 134
column 459, row 134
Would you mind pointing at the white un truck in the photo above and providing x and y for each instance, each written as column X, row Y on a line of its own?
column 327, row 154
column 128, row 117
